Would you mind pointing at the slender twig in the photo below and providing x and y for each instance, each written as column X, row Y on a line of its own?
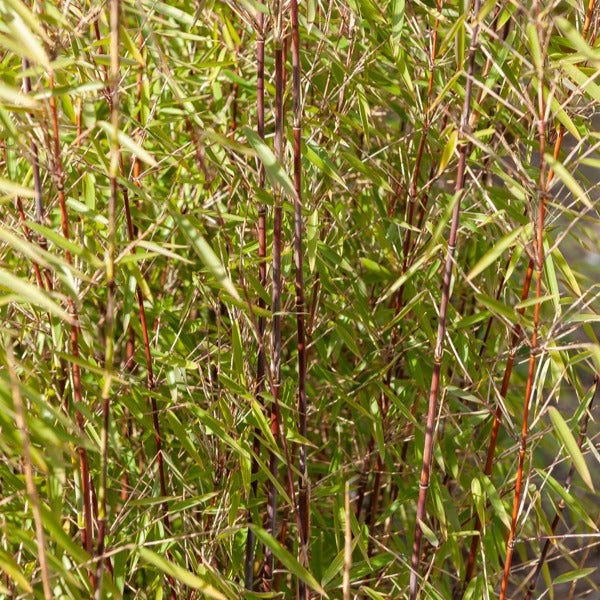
column 539, row 265
column 262, row 276
column 347, row 543
column 86, row 532
column 406, row 252
column 561, row 505
column 28, row 471
column 110, row 281
column 150, row 383
column 37, row 185
column 303, row 486
column 435, row 379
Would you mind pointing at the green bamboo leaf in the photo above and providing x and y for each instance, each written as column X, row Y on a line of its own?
column 568, row 440
column 28, row 45
column 378, row 271
column 497, row 307
column 565, row 269
column 11, row 95
column 58, row 534
column 33, row 295
column 312, row 238
column 287, row 559
column 561, row 114
column 577, row 40
column 126, row 142
column 568, row 180
column 273, row 167
column 206, row 254
column 23, row 246
column 12, row 569
column 448, row 151
column 534, row 45
column 319, row 158
column 584, row 82
column 574, row 575
column 429, row 533
column 163, row 249
column 181, row 574
column 131, row 46
column 496, row 502
column 12, row 189
column 66, row 245
column 497, row 250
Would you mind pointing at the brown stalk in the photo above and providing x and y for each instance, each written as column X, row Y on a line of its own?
column 276, row 309
column 262, row 276
column 561, row 504
column 150, row 383
column 39, row 203
column 86, row 532
column 539, row 265
column 110, row 279
column 303, row 484
column 435, row 379
column 515, row 337
column 21, row 423
column 398, row 302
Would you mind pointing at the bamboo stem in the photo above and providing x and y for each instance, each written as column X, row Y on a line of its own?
column 398, row 303
column 539, row 265
column 30, row 486
column 303, row 484
column 276, row 310
column 110, row 281
column 262, row 276
column 435, row 379
column 86, row 532
column 150, row 383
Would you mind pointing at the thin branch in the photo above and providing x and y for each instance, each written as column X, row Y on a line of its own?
column 21, row 422
column 262, row 276
column 441, row 333
column 110, row 281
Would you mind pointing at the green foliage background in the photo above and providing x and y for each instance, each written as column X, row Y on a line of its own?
column 365, row 72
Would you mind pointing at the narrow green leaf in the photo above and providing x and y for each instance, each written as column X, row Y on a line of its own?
column 568, row 180
column 206, row 254
column 312, row 238
column 12, row 189
column 448, row 151
column 496, row 251
column 497, row 307
column 32, row 294
column 11, row 95
column 577, row 40
column 274, row 169
column 375, row 269
column 534, row 45
column 429, row 534
column 58, row 534
column 568, row 440
column 129, row 144
column 29, row 45
column 574, row 575
column 181, row 574
column 287, row 559
column 12, row 569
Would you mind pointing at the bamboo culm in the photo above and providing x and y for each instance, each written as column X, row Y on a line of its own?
column 435, row 379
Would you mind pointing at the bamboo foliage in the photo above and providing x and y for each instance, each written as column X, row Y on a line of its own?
column 298, row 299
